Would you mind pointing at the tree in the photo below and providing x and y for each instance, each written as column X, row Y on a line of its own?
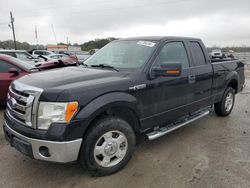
column 9, row 44
column 61, row 43
column 96, row 44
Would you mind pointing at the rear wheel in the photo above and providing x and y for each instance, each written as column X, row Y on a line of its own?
column 108, row 146
column 225, row 106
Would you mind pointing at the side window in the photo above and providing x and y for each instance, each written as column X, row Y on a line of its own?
column 38, row 52
column 9, row 53
column 5, row 66
column 197, row 53
column 173, row 52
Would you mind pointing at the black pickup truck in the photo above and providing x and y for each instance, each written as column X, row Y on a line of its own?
column 92, row 113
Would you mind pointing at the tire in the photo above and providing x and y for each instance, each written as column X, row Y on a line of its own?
column 225, row 106
column 108, row 146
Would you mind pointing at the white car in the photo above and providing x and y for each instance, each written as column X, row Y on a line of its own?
column 217, row 53
column 56, row 56
column 37, row 53
column 22, row 55
column 45, row 58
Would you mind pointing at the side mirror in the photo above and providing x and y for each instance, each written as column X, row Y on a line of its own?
column 170, row 69
column 13, row 71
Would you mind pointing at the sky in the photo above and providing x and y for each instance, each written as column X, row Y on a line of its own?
column 216, row 22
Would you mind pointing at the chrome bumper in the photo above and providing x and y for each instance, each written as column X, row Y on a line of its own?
column 62, row 152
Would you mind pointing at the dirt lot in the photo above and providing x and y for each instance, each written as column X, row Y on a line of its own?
column 212, row 152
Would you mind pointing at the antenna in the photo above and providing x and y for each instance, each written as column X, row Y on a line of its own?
column 36, row 37
column 54, row 33
column 11, row 25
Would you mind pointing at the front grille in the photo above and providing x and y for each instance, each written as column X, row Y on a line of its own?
column 22, row 100
column 19, row 106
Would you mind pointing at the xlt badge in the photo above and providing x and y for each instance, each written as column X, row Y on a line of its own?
column 137, row 87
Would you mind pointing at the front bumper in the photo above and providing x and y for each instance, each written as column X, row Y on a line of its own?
column 54, row 151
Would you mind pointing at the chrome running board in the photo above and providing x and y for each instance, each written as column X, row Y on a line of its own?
column 171, row 127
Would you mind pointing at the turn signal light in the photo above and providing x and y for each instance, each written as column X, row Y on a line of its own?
column 71, row 109
column 173, row 72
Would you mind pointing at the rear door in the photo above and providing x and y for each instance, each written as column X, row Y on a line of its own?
column 5, row 79
column 200, row 76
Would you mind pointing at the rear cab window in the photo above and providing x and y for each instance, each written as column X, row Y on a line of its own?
column 197, row 54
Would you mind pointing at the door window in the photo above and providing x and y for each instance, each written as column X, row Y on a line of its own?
column 173, row 52
column 38, row 52
column 8, row 53
column 5, row 66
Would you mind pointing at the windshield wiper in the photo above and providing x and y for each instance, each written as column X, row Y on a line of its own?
column 35, row 68
column 82, row 63
column 105, row 66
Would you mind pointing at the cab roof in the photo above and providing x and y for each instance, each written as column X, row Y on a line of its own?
column 160, row 38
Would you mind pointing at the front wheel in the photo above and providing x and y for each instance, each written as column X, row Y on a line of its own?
column 108, row 146
column 225, row 106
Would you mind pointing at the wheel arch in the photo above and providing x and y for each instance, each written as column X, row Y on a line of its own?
column 118, row 104
column 232, row 80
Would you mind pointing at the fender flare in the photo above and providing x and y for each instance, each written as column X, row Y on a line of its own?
column 103, row 102
column 232, row 76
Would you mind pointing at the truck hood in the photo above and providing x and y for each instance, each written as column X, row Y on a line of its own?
column 70, row 77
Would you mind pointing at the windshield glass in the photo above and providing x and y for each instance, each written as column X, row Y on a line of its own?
column 23, row 56
column 22, row 63
column 123, row 54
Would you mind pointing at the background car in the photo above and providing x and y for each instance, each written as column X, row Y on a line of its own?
column 10, row 69
column 57, row 56
column 59, row 63
column 21, row 54
column 217, row 53
column 81, row 56
column 37, row 53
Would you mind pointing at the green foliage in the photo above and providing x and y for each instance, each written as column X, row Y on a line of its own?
column 96, row 44
column 9, row 44
column 61, row 43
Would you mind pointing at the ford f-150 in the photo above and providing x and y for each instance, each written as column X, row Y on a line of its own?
column 92, row 113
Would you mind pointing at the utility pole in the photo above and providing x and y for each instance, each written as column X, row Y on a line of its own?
column 54, row 33
column 67, row 43
column 13, row 29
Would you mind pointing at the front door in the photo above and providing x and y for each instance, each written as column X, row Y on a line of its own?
column 167, row 96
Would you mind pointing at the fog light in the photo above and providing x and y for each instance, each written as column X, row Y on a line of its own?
column 44, row 151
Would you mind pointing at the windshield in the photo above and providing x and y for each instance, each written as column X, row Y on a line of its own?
column 22, row 63
column 23, row 56
column 123, row 54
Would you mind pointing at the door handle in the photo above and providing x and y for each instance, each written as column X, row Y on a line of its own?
column 191, row 79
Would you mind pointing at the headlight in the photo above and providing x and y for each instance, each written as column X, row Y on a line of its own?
column 50, row 112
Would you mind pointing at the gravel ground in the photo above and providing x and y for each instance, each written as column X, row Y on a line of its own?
column 211, row 152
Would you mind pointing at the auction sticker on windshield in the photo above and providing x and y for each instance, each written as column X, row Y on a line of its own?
column 146, row 43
